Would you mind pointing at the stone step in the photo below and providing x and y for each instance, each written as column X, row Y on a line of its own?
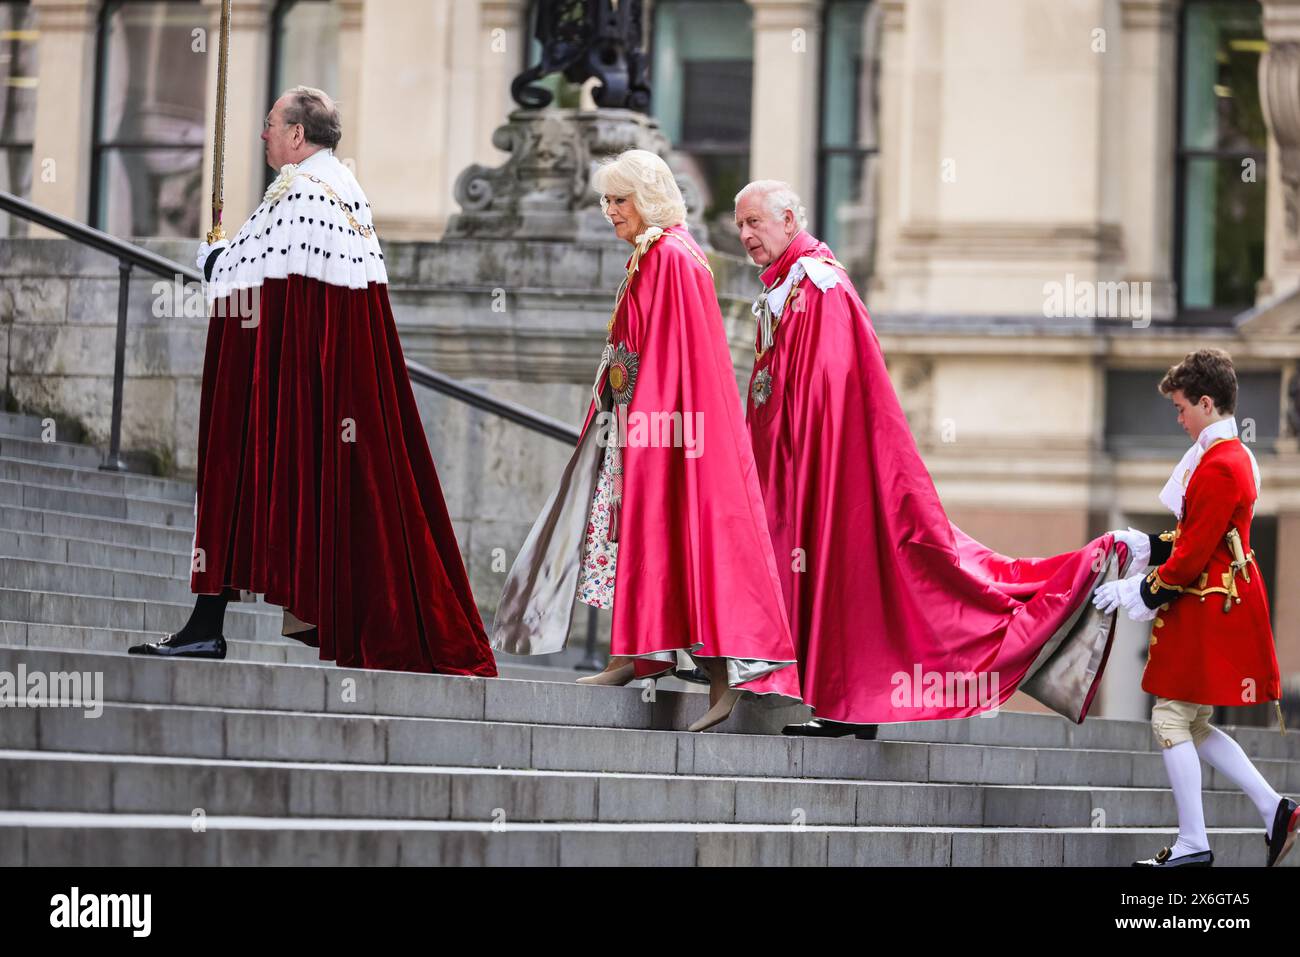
column 102, row 529
column 14, row 469
column 169, row 731
column 59, row 839
column 45, row 576
column 101, row 505
column 279, row 650
column 20, row 424
column 266, row 686
column 245, row 620
column 62, row 781
column 303, row 688
column 31, row 447
column 22, row 634
column 76, row 551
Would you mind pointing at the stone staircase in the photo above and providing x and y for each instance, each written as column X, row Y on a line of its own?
column 274, row 758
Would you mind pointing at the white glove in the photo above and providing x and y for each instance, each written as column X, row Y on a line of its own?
column 205, row 250
column 1139, row 545
column 1125, row 593
column 1106, row 597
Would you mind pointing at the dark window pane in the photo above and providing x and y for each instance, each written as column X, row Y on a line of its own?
column 156, row 192
column 842, row 176
column 848, row 124
column 16, row 178
column 716, row 101
column 1223, row 234
column 1222, row 156
column 1222, row 44
column 308, row 47
column 18, row 78
column 154, row 82
column 1139, row 420
column 17, row 73
column 702, row 55
column 152, row 123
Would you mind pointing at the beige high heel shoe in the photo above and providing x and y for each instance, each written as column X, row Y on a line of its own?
column 613, row 677
column 719, row 713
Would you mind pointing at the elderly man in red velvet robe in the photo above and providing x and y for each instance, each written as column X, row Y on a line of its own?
column 316, row 488
column 896, row 614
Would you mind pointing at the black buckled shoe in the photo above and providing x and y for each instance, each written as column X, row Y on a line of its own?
column 1199, row 859
column 1286, row 827
column 169, row 647
column 820, row 728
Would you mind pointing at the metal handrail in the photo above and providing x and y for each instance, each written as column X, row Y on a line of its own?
column 130, row 256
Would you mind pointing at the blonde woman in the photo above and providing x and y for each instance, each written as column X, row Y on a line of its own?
column 658, row 514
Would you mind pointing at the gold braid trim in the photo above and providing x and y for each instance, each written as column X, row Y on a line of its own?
column 344, row 208
column 639, row 251
column 698, row 258
column 1157, row 583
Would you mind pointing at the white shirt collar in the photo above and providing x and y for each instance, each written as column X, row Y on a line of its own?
column 316, row 159
column 1171, row 496
column 1223, row 429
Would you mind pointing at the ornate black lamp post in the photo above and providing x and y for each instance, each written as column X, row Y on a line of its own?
column 584, row 39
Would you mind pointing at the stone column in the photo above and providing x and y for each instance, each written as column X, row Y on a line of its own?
column 406, row 98
column 247, row 100
column 995, row 179
column 351, row 16
column 787, row 68
column 1149, row 49
column 65, row 103
column 503, row 44
column 1279, row 90
column 893, row 20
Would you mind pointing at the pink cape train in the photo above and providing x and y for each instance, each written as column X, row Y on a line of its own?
column 896, row 614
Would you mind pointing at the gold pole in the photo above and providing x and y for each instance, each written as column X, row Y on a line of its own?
column 216, row 233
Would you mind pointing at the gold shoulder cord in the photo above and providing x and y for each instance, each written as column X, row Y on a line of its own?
column 632, row 266
column 698, row 258
column 366, row 231
column 636, row 262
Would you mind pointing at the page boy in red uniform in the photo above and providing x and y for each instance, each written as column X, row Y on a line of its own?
column 1211, row 641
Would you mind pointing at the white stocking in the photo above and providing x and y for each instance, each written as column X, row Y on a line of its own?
column 1184, row 770
column 1224, row 754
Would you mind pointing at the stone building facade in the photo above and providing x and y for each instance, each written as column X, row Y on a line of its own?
column 1044, row 203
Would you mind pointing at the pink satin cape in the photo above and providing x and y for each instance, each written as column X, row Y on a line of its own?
column 695, row 567
column 883, row 592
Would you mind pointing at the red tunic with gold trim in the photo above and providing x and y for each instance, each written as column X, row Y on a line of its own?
column 1212, row 642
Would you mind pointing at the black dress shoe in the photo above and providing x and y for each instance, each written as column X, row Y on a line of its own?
column 695, row 675
column 821, row 728
column 169, row 647
column 1286, row 827
column 1199, row 859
